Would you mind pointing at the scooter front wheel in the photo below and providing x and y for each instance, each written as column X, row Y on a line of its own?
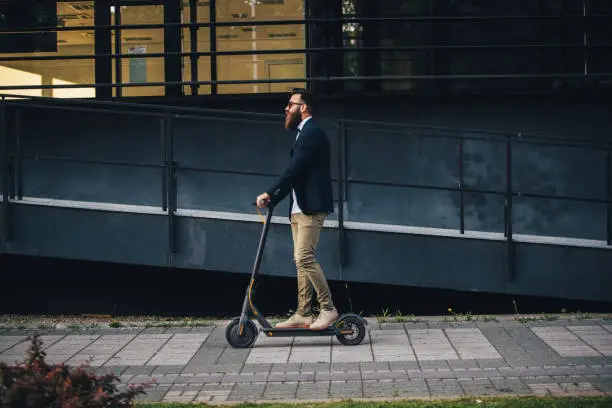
column 244, row 339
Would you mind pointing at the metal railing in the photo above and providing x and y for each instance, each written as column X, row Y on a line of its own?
column 12, row 174
column 586, row 45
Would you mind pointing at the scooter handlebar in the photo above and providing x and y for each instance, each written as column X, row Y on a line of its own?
column 269, row 206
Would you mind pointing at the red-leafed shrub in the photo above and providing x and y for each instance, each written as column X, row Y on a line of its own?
column 36, row 384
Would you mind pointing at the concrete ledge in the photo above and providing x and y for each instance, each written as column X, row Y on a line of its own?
column 349, row 225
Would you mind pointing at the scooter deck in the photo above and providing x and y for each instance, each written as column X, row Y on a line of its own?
column 301, row 331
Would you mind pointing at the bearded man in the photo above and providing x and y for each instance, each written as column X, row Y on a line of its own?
column 307, row 181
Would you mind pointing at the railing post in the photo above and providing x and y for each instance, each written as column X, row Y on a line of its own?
column 342, row 244
column 511, row 273
column 170, row 182
column 609, row 196
column 461, row 187
column 18, row 164
column 6, row 231
column 164, row 157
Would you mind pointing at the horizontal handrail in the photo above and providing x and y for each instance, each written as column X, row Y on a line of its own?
column 310, row 50
column 457, row 133
column 304, row 21
column 316, row 79
column 472, row 134
column 86, row 161
column 114, row 104
column 349, row 180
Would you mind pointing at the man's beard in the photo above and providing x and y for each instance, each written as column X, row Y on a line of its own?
column 292, row 121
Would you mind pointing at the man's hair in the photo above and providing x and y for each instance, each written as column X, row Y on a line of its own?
column 306, row 96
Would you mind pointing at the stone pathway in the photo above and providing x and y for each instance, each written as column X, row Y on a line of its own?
column 422, row 359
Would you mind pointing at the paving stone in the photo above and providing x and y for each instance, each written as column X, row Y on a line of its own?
column 139, row 350
column 138, row 370
column 247, row 392
column 166, row 378
column 179, row 349
column 313, row 390
column 286, row 367
column 384, row 375
column 471, row 343
column 175, row 330
column 589, row 361
column 153, row 395
column 444, row 387
column 314, row 367
column 216, row 391
column 509, row 342
column 208, row 353
column 345, row 389
column 510, row 386
column 270, row 350
column 391, row 345
column 291, row 377
column 491, row 363
column 602, row 383
column 346, row 366
column 256, row 368
column 404, row 365
column 184, row 379
column 280, row 391
column 454, row 364
column 232, row 355
column 429, row 365
column 470, row 373
column 343, row 354
column 337, row 375
column 140, row 379
column 564, row 342
column 244, row 378
column 411, row 389
column 167, row 369
column 431, row 344
column 154, row 330
column 375, row 366
column 443, row 325
column 595, row 336
column 522, row 371
column 416, row 325
column 391, row 326
column 476, row 387
column 378, row 389
column 116, row 370
column 310, row 350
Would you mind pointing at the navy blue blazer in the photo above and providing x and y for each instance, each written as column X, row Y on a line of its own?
column 308, row 173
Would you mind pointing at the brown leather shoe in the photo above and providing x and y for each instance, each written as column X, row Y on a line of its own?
column 325, row 319
column 296, row 321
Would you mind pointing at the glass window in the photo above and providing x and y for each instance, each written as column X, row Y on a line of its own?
column 135, row 41
column 263, row 37
column 61, row 44
column 487, row 40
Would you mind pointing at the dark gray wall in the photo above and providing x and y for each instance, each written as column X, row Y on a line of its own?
column 229, row 144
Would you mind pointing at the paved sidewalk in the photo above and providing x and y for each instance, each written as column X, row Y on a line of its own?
column 421, row 359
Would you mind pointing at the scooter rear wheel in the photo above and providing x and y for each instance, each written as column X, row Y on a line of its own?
column 357, row 327
column 244, row 340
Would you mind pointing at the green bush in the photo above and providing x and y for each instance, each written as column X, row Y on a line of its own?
column 36, row 384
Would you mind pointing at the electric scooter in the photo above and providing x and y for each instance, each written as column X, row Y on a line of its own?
column 242, row 332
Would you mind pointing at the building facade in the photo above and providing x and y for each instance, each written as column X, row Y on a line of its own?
column 187, row 48
column 470, row 138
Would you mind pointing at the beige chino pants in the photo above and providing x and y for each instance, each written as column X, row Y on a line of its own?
column 306, row 230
